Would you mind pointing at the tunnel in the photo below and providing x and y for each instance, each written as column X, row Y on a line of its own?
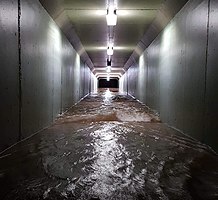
column 109, row 99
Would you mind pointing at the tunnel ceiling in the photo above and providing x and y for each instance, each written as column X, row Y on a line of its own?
column 84, row 24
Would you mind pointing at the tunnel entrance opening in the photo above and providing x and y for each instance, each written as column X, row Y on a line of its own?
column 104, row 83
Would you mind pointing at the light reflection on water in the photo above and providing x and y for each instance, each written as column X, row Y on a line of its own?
column 107, row 97
column 106, row 167
column 112, row 172
column 102, row 158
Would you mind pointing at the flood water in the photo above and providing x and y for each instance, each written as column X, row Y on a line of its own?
column 111, row 147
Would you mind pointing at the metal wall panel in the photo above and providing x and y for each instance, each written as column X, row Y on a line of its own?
column 94, row 83
column 123, row 84
column 67, row 76
column 53, row 76
column 132, row 79
column 142, row 78
column 82, row 75
column 193, row 57
column 153, row 80
column 211, row 131
column 9, row 70
column 176, row 81
column 76, row 79
column 182, row 69
column 41, row 55
column 87, row 80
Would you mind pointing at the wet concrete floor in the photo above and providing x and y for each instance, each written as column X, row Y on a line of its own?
column 109, row 146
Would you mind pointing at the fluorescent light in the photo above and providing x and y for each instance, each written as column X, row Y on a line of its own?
column 111, row 16
column 108, row 69
column 110, row 50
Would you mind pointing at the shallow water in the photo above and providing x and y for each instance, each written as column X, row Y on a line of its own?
column 109, row 146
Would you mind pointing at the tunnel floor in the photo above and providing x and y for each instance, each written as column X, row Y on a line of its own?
column 109, row 146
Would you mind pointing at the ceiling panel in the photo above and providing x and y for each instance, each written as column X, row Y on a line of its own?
column 92, row 35
column 85, row 4
column 88, row 19
column 139, row 4
column 90, row 26
column 83, row 16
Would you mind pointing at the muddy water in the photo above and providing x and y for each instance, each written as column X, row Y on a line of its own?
column 109, row 146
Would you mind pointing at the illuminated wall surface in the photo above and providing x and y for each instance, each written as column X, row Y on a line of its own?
column 177, row 74
column 52, row 77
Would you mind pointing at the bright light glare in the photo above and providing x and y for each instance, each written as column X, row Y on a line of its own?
column 108, row 94
column 125, row 48
column 121, row 84
column 119, row 48
column 108, row 78
column 123, row 12
column 111, row 16
column 101, row 12
column 110, row 50
column 95, row 48
column 108, row 69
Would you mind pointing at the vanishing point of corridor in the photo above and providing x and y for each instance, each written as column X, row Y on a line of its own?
column 109, row 146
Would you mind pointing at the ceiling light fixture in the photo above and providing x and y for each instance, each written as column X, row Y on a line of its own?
column 110, row 50
column 111, row 16
column 108, row 69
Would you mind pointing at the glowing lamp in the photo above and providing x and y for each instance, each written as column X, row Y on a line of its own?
column 111, row 16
